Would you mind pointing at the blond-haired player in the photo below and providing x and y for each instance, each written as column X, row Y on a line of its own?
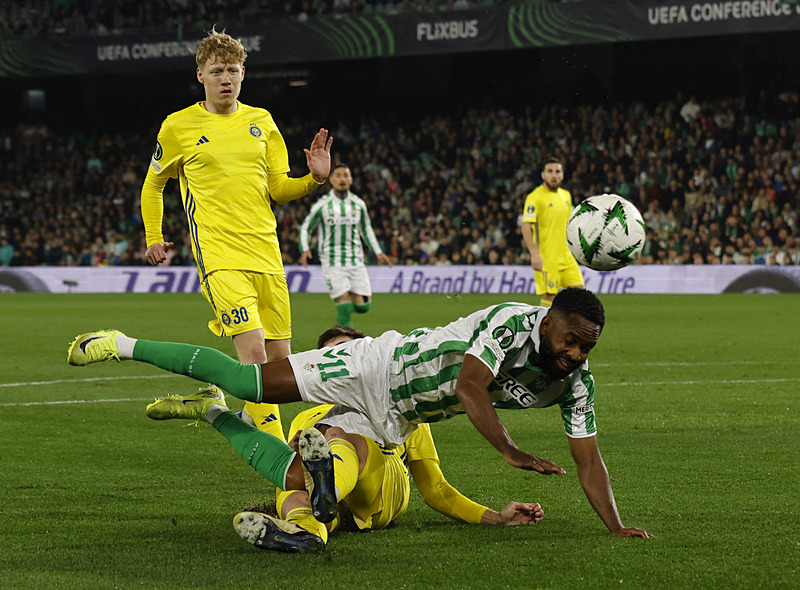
column 544, row 231
column 230, row 159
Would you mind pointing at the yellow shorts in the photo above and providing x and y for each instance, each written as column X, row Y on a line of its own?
column 381, row 493
column 245, row 301
column 551, row 280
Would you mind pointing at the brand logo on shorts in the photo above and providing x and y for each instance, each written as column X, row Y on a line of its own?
column 254, row 130
column 226, row 319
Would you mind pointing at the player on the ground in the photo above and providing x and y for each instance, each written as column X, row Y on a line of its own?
column 342, row 221
column 544, row 231
column 509, row 356
column 370, row 481
column 230, row 159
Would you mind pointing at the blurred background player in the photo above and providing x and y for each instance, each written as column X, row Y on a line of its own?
column 342, row 221
column 230, row 159
column 544, row 231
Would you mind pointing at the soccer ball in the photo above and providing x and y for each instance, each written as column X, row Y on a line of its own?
column 605, row 232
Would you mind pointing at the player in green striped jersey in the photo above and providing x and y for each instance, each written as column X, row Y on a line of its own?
column 507, row 356
column 342, row 221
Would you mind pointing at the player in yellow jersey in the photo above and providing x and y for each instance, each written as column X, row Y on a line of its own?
column 372, row 484
column 544, row 231
column 371, row 480
column 230, row 159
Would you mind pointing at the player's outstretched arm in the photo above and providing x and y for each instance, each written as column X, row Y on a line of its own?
column 472, row 391
column 596, row 484
column 440, row 495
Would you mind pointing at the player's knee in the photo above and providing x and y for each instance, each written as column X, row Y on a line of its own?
column 335, row 432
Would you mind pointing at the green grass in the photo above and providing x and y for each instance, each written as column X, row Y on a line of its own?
column 698, row 409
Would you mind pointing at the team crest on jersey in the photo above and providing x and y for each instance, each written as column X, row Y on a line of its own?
column 504, row 336
column 226, row 319
column 254, row 130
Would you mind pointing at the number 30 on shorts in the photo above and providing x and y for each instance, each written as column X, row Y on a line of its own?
column 239, row 315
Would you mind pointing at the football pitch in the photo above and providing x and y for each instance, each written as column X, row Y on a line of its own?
column 698, row 413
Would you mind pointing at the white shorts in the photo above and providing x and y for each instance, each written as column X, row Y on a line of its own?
column 351, row 279
column 355, row 375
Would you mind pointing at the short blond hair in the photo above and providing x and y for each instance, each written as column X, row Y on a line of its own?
column 220, row 47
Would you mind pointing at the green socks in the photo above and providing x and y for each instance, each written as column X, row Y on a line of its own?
column 344, row 314
column 204, row 364
column 361, row 307
column 268, row 455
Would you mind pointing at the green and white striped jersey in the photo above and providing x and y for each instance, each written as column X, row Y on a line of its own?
column 342, row 223
column 505, row 337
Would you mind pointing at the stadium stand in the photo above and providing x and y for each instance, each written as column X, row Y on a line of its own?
column 716, row 185
column 106, row 17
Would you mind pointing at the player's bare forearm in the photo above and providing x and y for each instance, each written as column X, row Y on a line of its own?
column 597, row 487
column 472, row 393
column 527, row 236
column 596, row 484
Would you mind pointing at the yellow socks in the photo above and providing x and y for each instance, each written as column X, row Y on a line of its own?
column 266, row 418
column 345, row 466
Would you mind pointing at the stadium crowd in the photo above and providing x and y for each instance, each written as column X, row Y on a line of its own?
column 33, row 18
column 718, row 182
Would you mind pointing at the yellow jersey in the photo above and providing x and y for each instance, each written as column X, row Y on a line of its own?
column 387, row 473
column 225, row 165
column 418, row 446
column 549, row 211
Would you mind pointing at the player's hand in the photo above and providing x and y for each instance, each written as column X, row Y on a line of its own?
column 157, row 253
column 318, row 157
column 626, row 532
column 305, row 257
column 537, row 263
column 523, row 460
column 383, row 259
column 521, row 513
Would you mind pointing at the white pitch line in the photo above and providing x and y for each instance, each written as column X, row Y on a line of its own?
column 654, row 364
column 603, row 385
column 703, row 382
column 79, row 401
column 87, row 380
column 687, row 364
